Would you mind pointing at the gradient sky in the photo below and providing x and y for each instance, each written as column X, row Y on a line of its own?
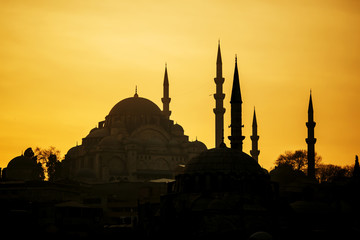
column 65, row 64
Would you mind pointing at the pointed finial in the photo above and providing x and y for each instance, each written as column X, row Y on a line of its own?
column 136, row 95
column 235, row 58
column 254, row 118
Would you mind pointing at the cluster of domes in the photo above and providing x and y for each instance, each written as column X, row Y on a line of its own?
column 137, row 141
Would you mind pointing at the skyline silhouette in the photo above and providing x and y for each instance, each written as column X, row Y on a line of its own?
column 59, row 78
column 123, row 181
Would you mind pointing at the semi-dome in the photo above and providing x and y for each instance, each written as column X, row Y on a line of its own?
column 225, row 160
column 177, row 130
column 98, row 133
column 196, row 145
column 135, row 106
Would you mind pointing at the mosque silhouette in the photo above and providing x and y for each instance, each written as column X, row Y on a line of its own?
column 137, row 175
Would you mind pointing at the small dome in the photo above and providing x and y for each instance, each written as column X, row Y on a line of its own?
column 224, row 160
column 177, row 130
column 23, row 167
column 135, row 106
column 21, row 162
column 197, row 145
column 74, row 151
column 98, row 133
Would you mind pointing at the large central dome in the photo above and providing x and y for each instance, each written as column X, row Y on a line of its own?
column 135, row 106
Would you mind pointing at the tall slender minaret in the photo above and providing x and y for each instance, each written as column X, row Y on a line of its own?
column 166, row 100
column 219, row 96
column 236, row 138
column 311, row 140
column 254, row 140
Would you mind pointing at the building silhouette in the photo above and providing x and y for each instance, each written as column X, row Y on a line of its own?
column 136, row 142
column 125, row 180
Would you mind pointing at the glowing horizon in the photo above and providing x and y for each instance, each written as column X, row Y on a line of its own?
column 64, row 65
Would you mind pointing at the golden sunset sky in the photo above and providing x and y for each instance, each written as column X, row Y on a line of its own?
column 65, row 64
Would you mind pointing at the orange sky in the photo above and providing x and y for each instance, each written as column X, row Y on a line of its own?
column 65, row 64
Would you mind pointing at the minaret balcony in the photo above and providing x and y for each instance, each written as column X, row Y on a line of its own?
column 219, row 80
column 311, row 124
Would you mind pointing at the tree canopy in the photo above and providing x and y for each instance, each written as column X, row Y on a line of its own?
column 49, row 158
column 296, row 159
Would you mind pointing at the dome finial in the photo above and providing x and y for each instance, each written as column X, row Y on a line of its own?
column 222, row 144
column 136, row 95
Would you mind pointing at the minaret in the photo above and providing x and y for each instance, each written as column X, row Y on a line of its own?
column 166, row 100
column 310, row 140
column 219, row 110
column 254, row 139
column 236, row 137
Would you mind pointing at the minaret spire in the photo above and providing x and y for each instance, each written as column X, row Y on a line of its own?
column 311, row 140
column 166, row 100
column 236, row 138
column 219, row 96
column 254, row 139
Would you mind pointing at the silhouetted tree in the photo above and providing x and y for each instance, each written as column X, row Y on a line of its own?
column 39, row 171
column 330, row 172
column 53, row 166
column 49, row 160
column 297, row 159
